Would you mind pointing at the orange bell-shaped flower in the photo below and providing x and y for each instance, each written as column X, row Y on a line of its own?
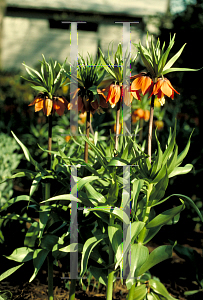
column 163, row 87
column 114, row 94
column 142, row 84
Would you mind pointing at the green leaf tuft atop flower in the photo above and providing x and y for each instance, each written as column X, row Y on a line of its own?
column 88, row 96
column 47, row 82
column 155, row 59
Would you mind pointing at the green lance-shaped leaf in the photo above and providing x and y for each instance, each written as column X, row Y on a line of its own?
column 146, row 60
column 140, row 292
column 95, row 197
column 23, row 173
column 179, row 70
column 115, row 234
column 22, row 254
column 113, row 191
column 99, row 274
column 187, row 199
column 158, row 190
column 139, row 256
column 28, row 155
column 164, row 56
column 160, row 289
column 74, row 247
column 156, row 256
column 117, row 162
column 43, row 218
column 170, row 147
column 39, row 257
column 154, row 57
column 9, row 272
column 34, row 80
column 16, row 199
column 132, row 232
column 152, row 296
column 58, row 77
column 165, row 217
column 87, row 249
column 31, row 71
column 5, row 295
column 183, row 154
column 174, row 58
column 159, row 158
column 106, row 66
column 136, row 188
column 31, row 235
column 67, row 197
column 35, row 183
column 116, row 212
column 82, row 182
column 63, row 156
column 172, row 161
column 99, row 154
column 48, row 241
column 15, row 216
column 181, row 170
column 161, row 174
column 39, row 88
column 151, row 233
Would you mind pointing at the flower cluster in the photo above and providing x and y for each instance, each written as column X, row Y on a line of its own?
column 143, row 84
column 56, row 104
column 85, row 101
column 140, row 114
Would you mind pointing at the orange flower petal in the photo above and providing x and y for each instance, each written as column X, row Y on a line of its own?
column 47, row 107
column 102, row 101
column 95, row 104
column 146, row 115
column 147, row 85
column 165, row 88
column 136, row 94
column 39, row 102
column 113, row 94
column 139, row 113
column 80, row 104
column 59, row 107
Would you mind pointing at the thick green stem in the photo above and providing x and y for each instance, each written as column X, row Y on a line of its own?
column 117, row 123
column 50, row 277
column 131, row 293
column 142, row 233
column 145, row 214
column 47, row 196
column 87, row 135
column 49, row 142
column 141, row 130
column 109, row 291
column 150, row 128
column 49, row 257
column 72, row 289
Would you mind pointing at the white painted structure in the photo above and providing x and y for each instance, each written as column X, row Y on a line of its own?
column 27, row 33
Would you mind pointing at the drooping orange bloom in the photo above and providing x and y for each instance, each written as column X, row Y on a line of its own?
column 114, row 94
column 159, row 124
column 142, row 84
column 86, row 103
column 140, row 114
column 128, row 97
column 57, row 104
column 163, row 87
